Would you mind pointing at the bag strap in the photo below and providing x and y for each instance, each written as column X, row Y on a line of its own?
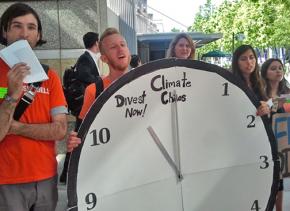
column 28, row 97
column 99, row 86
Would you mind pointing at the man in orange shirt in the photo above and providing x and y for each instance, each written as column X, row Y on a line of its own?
column 28, row 167
column 114, row 52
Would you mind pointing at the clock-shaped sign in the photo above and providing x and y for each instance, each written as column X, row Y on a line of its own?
column 174, row 135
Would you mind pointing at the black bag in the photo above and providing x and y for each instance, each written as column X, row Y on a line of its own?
column 74, row 90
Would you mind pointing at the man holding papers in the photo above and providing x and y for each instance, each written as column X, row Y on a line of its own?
column 28, row 167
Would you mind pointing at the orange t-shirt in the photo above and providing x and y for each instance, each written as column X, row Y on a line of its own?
column 90, row 96
column 24, row 159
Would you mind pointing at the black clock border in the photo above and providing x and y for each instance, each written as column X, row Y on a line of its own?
column 149, row 68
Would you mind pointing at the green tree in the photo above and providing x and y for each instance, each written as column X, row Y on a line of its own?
column 175, row 30
column 265, row 23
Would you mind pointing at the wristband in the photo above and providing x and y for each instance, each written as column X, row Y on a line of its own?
column 10, row 99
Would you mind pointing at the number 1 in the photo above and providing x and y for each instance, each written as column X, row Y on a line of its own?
column 226, row 90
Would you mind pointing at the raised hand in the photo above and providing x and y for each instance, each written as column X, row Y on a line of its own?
column 15, row 79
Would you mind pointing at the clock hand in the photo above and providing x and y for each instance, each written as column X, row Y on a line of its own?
column 175, row 132
column 164, row 152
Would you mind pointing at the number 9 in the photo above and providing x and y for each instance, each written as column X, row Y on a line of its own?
column 91, row 199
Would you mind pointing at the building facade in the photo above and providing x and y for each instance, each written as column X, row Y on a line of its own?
column 66, row 21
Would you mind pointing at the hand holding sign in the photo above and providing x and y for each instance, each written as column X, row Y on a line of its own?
column 20, row 51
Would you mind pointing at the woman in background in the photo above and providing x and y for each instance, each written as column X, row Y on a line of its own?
column 245, row 67
column 181, row 47
column 272, row 72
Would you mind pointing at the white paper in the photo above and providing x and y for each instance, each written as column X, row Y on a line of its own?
column 20, row 51
column 270, row 102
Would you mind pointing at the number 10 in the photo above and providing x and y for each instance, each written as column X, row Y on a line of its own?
column 102, row 138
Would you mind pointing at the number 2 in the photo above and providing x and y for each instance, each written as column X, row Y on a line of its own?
column 251, row 124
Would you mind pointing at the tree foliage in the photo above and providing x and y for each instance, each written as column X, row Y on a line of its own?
column 265, row 23
column 175, row 30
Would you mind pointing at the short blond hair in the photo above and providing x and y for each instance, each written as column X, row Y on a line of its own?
column 108, row 32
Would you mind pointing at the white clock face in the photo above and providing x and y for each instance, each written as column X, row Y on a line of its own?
column 174, row 135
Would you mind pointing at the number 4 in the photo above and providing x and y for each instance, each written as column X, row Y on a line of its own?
column 255, row 206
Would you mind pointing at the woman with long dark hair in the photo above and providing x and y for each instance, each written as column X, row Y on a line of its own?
column 272, row 72
column 245, row 66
